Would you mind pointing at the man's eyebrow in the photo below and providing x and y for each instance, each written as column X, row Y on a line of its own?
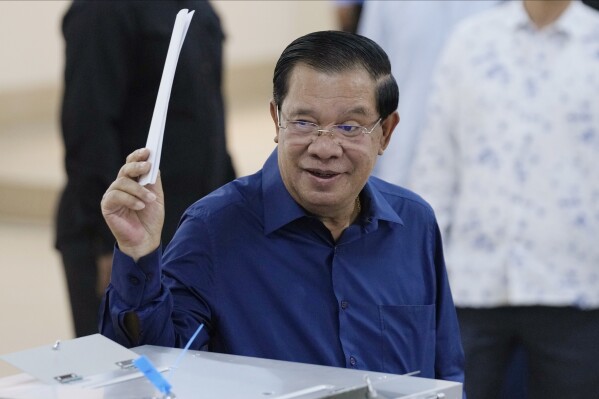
column 311, row 112
column 359, row 110
column 302, row 111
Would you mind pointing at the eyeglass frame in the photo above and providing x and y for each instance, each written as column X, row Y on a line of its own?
column 319, row 131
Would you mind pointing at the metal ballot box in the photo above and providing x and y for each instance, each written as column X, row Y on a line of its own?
column 214, row 375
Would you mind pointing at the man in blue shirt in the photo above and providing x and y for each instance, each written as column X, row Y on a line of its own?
column 308, row 260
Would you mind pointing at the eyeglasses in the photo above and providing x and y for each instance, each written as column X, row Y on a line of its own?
column 306, row 129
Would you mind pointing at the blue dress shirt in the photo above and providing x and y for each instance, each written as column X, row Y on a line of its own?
column 268, row 280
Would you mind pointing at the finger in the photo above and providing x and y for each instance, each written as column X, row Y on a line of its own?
column 115, row 201
column 134, row 195
column 133, row 188
column 134, row 169
column 141, row 154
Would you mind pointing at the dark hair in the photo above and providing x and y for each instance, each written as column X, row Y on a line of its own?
column 337, row 51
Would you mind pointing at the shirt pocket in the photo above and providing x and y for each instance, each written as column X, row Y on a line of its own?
column 408, row 338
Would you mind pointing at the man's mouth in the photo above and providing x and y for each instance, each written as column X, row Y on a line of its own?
column 321, row 174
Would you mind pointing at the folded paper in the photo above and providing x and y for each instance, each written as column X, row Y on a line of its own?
column 156, row 132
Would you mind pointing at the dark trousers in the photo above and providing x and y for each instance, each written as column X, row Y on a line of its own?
column 561, row 346
column 81, row 273
column 515, row 383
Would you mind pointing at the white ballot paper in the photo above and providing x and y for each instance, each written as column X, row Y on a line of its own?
column 156, row 133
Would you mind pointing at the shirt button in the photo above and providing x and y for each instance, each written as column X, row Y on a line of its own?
column 344, row 305
column 353, row 361
column 133, row 280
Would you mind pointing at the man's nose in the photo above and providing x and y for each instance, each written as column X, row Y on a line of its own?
column 320, row 132
column 325, row 145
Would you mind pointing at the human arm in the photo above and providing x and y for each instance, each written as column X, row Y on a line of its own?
column 142, row 304
column 134, row 215
column 449, row 356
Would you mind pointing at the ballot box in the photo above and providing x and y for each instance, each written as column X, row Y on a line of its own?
column 94, row 367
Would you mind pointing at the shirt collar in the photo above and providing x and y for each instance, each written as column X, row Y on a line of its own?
column 280, row 208
column 377, row 207
column 570, row 23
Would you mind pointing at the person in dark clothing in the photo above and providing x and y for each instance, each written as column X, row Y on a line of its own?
column 115, row 53
column 348, row 14
column 592, row 3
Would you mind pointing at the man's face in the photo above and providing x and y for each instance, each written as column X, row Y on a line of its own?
column 325, row 173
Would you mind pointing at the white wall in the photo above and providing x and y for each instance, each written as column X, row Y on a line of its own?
column 31, row 48
column 30, row 43
column 259, row 30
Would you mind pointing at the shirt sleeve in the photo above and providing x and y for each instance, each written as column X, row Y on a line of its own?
column 136, row 287
column 170, row 294
column 449, row 357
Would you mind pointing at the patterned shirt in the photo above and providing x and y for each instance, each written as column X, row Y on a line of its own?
column 510, row 156
column 413, row 48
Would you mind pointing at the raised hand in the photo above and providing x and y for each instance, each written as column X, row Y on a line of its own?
column 134, row 213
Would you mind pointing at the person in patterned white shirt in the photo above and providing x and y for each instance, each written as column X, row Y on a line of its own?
column 414, row 48
column 509, row 163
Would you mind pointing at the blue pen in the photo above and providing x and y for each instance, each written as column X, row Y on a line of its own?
column 147, row 368
column 153, row 375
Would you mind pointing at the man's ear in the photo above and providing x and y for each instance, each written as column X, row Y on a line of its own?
column 388, row 125
column 273, row 115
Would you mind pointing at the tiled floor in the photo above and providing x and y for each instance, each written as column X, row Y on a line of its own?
column 33, row 301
